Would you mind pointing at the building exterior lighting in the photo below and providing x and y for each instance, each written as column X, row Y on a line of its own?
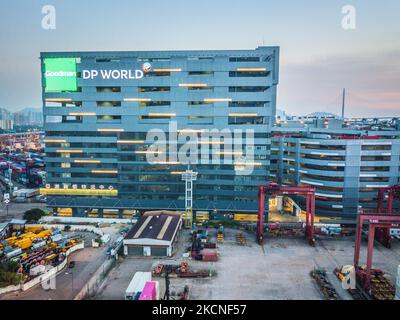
column 110, row 130
column 105, row 171
column 137, row 99
column 148, row 152
column 250, row 69
column 229, row 153
column 54, row 141
column 58, row 100
column 86, row 161
column 217, row 100
column 162, row 114
column 168, row 70
column 130, row 141
column 193, row 84
column 248, row 164
column 243, row 114
column 68, row 151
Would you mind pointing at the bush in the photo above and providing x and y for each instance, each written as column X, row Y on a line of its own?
column 34, row 214
column 8, row 274
column 9, row 266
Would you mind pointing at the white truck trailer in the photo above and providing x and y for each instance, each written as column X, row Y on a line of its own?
column 136, row 285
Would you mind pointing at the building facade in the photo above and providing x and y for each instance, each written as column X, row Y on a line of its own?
column 99, row 107
column 347, row 167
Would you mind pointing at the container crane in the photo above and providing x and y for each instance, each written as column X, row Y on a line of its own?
column 273, row 189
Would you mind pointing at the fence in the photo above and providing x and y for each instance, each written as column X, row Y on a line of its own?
column 72, row 220
column 61, row 227
column 94, row 283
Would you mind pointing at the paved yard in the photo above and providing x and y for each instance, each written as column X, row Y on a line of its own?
column 279, row 270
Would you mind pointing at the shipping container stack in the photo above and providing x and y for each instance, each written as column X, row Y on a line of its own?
column 200, row 249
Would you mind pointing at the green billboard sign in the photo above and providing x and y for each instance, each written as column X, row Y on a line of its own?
column 60, row 74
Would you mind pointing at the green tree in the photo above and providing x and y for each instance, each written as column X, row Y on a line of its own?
column 8, row 275
column 34, row 214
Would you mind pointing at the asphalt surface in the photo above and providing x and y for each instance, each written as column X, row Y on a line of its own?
column 69, row 281
column 16, row 210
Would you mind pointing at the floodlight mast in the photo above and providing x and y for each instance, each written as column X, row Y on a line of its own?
column 189, row 176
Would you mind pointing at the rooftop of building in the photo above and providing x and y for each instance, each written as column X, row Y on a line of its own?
column 331, row 124
column 159, row 53
column 157, row 225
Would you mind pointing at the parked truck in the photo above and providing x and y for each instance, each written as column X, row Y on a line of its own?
column 26, row 193
column 136, row 285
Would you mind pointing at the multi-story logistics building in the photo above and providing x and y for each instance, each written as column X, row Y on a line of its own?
column 100, row 106
column 346, row 166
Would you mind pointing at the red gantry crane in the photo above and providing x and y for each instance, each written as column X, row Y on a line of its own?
column 380, row 221
column 376, row 220
column 383, row 234
column 274, row 189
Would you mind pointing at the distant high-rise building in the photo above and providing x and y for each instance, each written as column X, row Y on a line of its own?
column 6, row 124
column 5, row 114
column 28, row 116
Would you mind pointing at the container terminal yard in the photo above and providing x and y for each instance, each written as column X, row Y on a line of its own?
column 85, row 215
column 291, row 248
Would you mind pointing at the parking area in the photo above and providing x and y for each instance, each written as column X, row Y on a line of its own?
column 70, row 281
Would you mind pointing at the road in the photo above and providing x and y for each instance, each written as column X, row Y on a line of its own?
column 69, row 281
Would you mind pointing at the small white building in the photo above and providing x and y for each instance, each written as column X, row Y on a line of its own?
column 154, row 234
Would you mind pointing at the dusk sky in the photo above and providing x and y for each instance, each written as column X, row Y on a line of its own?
column 318, row 57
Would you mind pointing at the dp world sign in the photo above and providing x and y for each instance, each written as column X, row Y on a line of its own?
column 116, row 74
column 60, row 74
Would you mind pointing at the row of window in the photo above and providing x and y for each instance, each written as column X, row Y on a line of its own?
column 158, row 103
column 127, row 135
column 162, row 168
column 232, row 74
column 341, row 179
column 127, row 157
column 142, row 146
column 232, row 120
column 166, row 88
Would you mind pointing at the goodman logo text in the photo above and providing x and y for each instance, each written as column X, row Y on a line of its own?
column 60, row 74
column 116, row 74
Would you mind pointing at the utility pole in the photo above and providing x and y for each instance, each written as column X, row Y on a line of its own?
column 343, row 102
column 189, row 176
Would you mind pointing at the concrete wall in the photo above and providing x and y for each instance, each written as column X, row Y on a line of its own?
column 96, row 280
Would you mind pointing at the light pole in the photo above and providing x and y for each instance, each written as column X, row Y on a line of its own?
column 189, row 176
